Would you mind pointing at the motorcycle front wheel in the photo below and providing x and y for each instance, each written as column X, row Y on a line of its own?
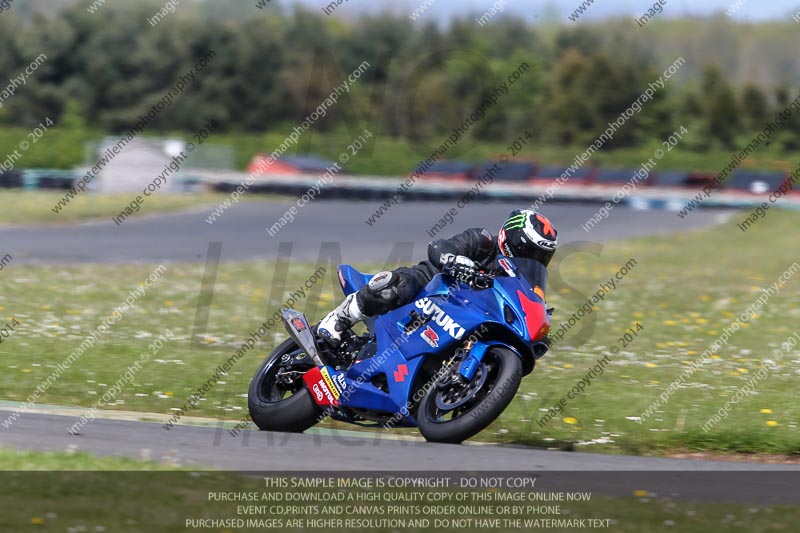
column 455, row 411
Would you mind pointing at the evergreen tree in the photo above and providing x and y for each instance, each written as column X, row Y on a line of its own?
column 755, row 108
column 720, row 106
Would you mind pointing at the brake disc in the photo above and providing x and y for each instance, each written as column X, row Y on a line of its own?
column 457, row 395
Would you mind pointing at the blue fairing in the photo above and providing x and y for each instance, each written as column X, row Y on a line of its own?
column 351, row 279
column 450, row 313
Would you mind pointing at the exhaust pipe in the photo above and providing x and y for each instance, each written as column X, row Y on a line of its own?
column 297, row 326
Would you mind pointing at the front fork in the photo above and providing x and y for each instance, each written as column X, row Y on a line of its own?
column 472, row 355
column 468, row 358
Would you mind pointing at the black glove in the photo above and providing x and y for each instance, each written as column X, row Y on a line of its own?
column 481, row 280
column 465, row 269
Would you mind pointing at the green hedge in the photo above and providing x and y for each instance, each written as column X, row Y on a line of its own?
column 386, row 155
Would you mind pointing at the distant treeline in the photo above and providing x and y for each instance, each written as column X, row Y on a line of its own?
column 273, row 67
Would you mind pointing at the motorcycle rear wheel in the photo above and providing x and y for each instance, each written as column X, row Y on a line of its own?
column 453, row 415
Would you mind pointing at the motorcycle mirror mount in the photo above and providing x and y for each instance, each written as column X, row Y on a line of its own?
column 297, row 326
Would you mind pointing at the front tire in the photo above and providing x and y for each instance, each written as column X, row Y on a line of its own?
column 454, row 415
column 278, row 398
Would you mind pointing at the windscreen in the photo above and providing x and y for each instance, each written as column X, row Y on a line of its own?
column 533, row 271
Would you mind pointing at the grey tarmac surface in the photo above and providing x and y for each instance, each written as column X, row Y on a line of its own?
column 242, row 230
column 327, row 450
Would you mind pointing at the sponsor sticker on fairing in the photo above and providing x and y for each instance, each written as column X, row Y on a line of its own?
column 338, row 380
column 326, row 375
column 317, row 392
column 431, row 337
column 507, row 267
column 320, row 390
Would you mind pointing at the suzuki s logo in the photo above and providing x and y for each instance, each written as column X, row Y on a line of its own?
column 401, row 373
column 450, row 326
column 431, row 337
column 298, row 324
column 317, row 392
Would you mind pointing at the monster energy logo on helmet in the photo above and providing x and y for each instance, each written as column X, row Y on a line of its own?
column 516, row 221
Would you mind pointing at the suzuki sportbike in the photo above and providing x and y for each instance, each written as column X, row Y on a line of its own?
column 448, row 363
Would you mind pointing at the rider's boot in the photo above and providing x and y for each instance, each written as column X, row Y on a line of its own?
column 340, row 320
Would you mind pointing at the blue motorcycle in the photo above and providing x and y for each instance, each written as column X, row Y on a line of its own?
column 448, row 363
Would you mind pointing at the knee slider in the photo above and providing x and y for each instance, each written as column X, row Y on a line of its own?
column 379, row 294
column 382, row 281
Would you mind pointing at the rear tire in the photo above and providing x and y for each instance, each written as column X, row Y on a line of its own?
column 269, row 409
column 504, row 374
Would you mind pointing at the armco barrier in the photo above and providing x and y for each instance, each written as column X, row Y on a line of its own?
column 380, row 188
column 37, row 179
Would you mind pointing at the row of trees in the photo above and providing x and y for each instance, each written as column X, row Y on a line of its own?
column 272, row 67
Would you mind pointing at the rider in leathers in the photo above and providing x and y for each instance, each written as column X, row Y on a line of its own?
column 465, row 256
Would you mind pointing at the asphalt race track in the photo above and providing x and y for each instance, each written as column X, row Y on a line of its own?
column 345, row 450
column 242, row 230
column 326, row 450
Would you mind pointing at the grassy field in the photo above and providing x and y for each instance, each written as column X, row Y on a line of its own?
column 157, row 502
column 684, row 291
column 34, row 207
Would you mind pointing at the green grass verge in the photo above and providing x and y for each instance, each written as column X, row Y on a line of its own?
column 17, row 460
column 34, row 207
column 684, row 291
